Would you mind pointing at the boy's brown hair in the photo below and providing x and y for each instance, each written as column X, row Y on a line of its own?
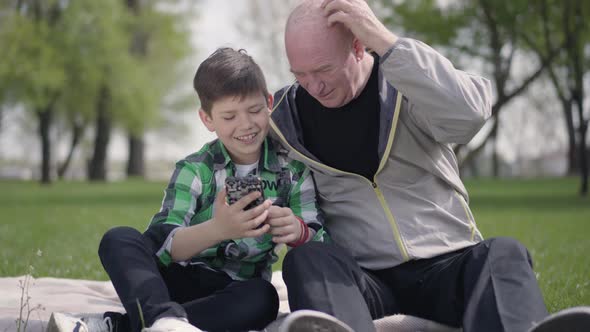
column 228, row 72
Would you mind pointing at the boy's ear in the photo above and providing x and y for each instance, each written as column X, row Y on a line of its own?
column 206, row 119
column 270, row 101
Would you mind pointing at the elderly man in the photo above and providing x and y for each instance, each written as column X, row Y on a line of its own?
column 375, row 127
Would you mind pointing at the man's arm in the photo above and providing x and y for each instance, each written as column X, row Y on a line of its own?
column 449, row 104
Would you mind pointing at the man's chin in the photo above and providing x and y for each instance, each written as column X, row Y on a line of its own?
column 332, row 103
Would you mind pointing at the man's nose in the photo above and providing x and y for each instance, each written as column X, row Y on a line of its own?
column 316, row 87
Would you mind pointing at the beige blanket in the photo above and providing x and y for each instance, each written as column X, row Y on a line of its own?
column 47, row 295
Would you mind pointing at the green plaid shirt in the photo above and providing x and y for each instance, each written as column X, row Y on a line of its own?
column 190, row 195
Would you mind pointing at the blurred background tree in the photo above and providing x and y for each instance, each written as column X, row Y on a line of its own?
column 99, row 73
column 90, row 63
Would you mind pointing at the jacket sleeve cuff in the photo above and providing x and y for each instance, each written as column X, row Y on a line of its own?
column 391, row 50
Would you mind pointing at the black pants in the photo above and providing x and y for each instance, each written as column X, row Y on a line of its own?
column 490, row 286
column 211, row 301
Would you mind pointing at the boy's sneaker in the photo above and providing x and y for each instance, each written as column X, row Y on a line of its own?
column 62, row 322
column 312, row 321
column 171, row 324
column 576, row 319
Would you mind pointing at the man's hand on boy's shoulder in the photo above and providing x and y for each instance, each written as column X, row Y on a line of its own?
column 233, row 222
column 284, row 226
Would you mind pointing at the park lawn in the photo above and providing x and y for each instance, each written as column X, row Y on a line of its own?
column 63, row 223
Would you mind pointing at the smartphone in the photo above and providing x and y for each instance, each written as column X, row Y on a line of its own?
column 238, row 187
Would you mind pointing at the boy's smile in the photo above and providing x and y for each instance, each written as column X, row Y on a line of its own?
column 247, row 139
column 241, row 123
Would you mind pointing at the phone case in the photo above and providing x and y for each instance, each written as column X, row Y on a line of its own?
column 238, row 187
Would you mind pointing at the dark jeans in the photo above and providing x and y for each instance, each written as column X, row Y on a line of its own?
column 490, row 286
column 211, row 300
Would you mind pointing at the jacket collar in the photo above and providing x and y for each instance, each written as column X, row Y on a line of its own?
column 285, row 118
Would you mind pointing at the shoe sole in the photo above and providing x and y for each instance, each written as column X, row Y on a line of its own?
column 312, row 321
column 570, row 320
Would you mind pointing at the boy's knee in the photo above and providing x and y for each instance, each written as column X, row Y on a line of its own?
column 264, row 306
column 266, row 291
column 114, row 236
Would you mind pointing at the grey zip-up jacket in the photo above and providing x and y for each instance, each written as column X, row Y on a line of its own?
column 416, row 205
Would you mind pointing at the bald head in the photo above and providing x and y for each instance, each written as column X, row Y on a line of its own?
column 307, row 20
column 308, row 11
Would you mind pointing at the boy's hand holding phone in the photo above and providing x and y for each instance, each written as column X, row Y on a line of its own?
column 233, row 222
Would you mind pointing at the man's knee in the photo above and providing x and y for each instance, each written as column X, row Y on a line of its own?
column 505, row 249
column 303, row 252
column 311, row 254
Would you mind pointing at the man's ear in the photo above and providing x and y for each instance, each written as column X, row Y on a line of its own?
column 270, row 101
column 358, row 48
column 206, row 119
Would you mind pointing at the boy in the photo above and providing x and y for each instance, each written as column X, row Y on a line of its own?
column 204, row 264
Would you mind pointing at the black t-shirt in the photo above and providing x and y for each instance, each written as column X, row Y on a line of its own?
column 347, row 137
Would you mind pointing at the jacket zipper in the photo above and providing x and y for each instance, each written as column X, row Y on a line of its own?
column 376, row 189
column 471, row 222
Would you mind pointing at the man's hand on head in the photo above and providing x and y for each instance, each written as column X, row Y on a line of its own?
column 358, row 17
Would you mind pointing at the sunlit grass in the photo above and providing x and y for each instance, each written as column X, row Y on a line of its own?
column 66, row 221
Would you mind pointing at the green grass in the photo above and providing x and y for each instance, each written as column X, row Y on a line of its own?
column 66, row 221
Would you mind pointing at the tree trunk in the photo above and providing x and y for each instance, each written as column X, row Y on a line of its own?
column 77, row 131
column 97, row 166
column 583, row 159
column 572, row 149
column 135, row 163
column 137, row 48
column 573, row 19
column 500, row 80
column 45, row 120
column 582, row 129
column 495, row 155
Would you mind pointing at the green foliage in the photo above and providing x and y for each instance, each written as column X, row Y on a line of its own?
column 32, row 67
column 69, row 49
column 424, row 18
column 464, row 27
column 154, row 71
column 94, row 52
column 67, row 220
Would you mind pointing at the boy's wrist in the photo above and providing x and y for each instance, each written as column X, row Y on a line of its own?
column 212, row 228
column 303, row 235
